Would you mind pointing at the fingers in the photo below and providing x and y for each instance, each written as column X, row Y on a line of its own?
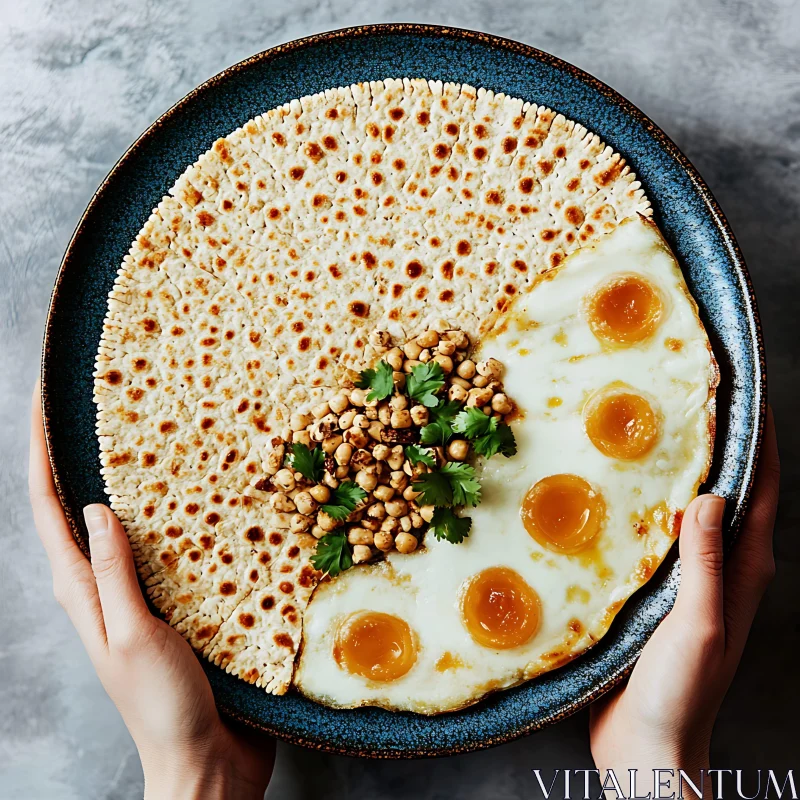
column 700, row 594
column 124, row 608
column 751, row 565
column 73, row 582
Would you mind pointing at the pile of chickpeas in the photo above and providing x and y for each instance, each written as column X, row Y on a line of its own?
column 363, row 441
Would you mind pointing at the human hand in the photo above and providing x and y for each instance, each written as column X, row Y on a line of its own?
column 148, row 670
column 664, row 715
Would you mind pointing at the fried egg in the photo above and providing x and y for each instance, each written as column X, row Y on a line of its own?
column 614, row 378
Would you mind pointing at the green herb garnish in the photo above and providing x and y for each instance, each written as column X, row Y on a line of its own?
column 420, row 455
column 424, row 382
column 446, row 525
column 332, row 555
column 439, row 428
column 309, row 463
column 344, row 500
column 454, row 484
column 487, row 435
column 380, row 380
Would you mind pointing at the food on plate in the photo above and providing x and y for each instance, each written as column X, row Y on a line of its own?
column 568, row 527
column 269, row 284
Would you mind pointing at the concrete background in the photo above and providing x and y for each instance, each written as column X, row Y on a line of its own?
column 80, row 79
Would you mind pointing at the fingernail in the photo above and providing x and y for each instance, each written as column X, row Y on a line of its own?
column 96, row 519
column 710, row 514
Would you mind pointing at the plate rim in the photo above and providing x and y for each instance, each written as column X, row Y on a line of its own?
column 721, row 224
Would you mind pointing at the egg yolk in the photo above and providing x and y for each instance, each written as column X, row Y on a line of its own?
column 376, row 646
column 625, row 310
column 563, row 513
column 621, row 424
column 499, row 609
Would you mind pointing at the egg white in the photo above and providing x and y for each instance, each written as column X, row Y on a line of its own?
column 549, row 351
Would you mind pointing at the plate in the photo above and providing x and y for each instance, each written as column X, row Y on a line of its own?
column 685, row 210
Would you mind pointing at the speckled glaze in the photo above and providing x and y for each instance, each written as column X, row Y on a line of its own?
column 685, row 210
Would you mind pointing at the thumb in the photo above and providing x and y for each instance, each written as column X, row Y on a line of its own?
column 700, row 593
column 112, row 563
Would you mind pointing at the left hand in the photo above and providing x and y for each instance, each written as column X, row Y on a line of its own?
column 148, row 670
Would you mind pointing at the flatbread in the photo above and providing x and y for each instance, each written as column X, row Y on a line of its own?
column 251, row 290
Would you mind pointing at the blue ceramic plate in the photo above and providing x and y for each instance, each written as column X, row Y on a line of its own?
column 685, row 210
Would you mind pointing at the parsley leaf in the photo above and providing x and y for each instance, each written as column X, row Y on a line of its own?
column 472, row 422
column 438, row 430
column 380, row 380
column 423, row 383
column 420, row 455
column 332, row 555
column 501, row 440
column 343, row 500
column 488, row 436
column 309, row 463
column 465, row 486
column 446, row 525
column 454, row 484
column 435, row 489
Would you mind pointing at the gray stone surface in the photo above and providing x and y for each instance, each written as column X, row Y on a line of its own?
column 80, row 79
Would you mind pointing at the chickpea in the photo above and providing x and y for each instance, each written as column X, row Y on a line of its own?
column 446, row 347
column 346, row 420
column 361, row 421
column 416, row 520
column 380, row 341
column 366, row 480
column 445, row 362
column 305, row 503
column 275, row 460
column 380, row 452
column 339, row 403
column 358, row 397
column 399, row 379
column 409, row 494
column 480, row 381
column 459, row 337
column 426, row 512
column 318, row 412
column 371, row 524
column 477, row 398
column 282, row 503
column 412, row 350
column 284, row 479
column 330, row 445
column 376, row 511
column 398, row 480
column 394, row 358
column 371, row 412
column 401, row 419
column 384, row 541
column 390, row 524
column 384, row 413
column 299, row 421
column 341, row 472
column 397, row 458
column 410, row 364
column 462, row 382
column 317, row 531
column 361, row 554
column 428, row 339
column 466, row 369
column 457, row 393
column 330, row 480
column 356, row 437
column 405, row 543
column 343, row 454
column 327, row 522
column 396, row 508
column 458, row 449
column 320, row 493
column 302, row 437
column 420, row 415
column 399, row 402
column 383, row 493
column 300, row 523
column 405, row 523
column 501, row 404
column 375, row 430
column 359, row 536
column 425, row 356
column 491, row 368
